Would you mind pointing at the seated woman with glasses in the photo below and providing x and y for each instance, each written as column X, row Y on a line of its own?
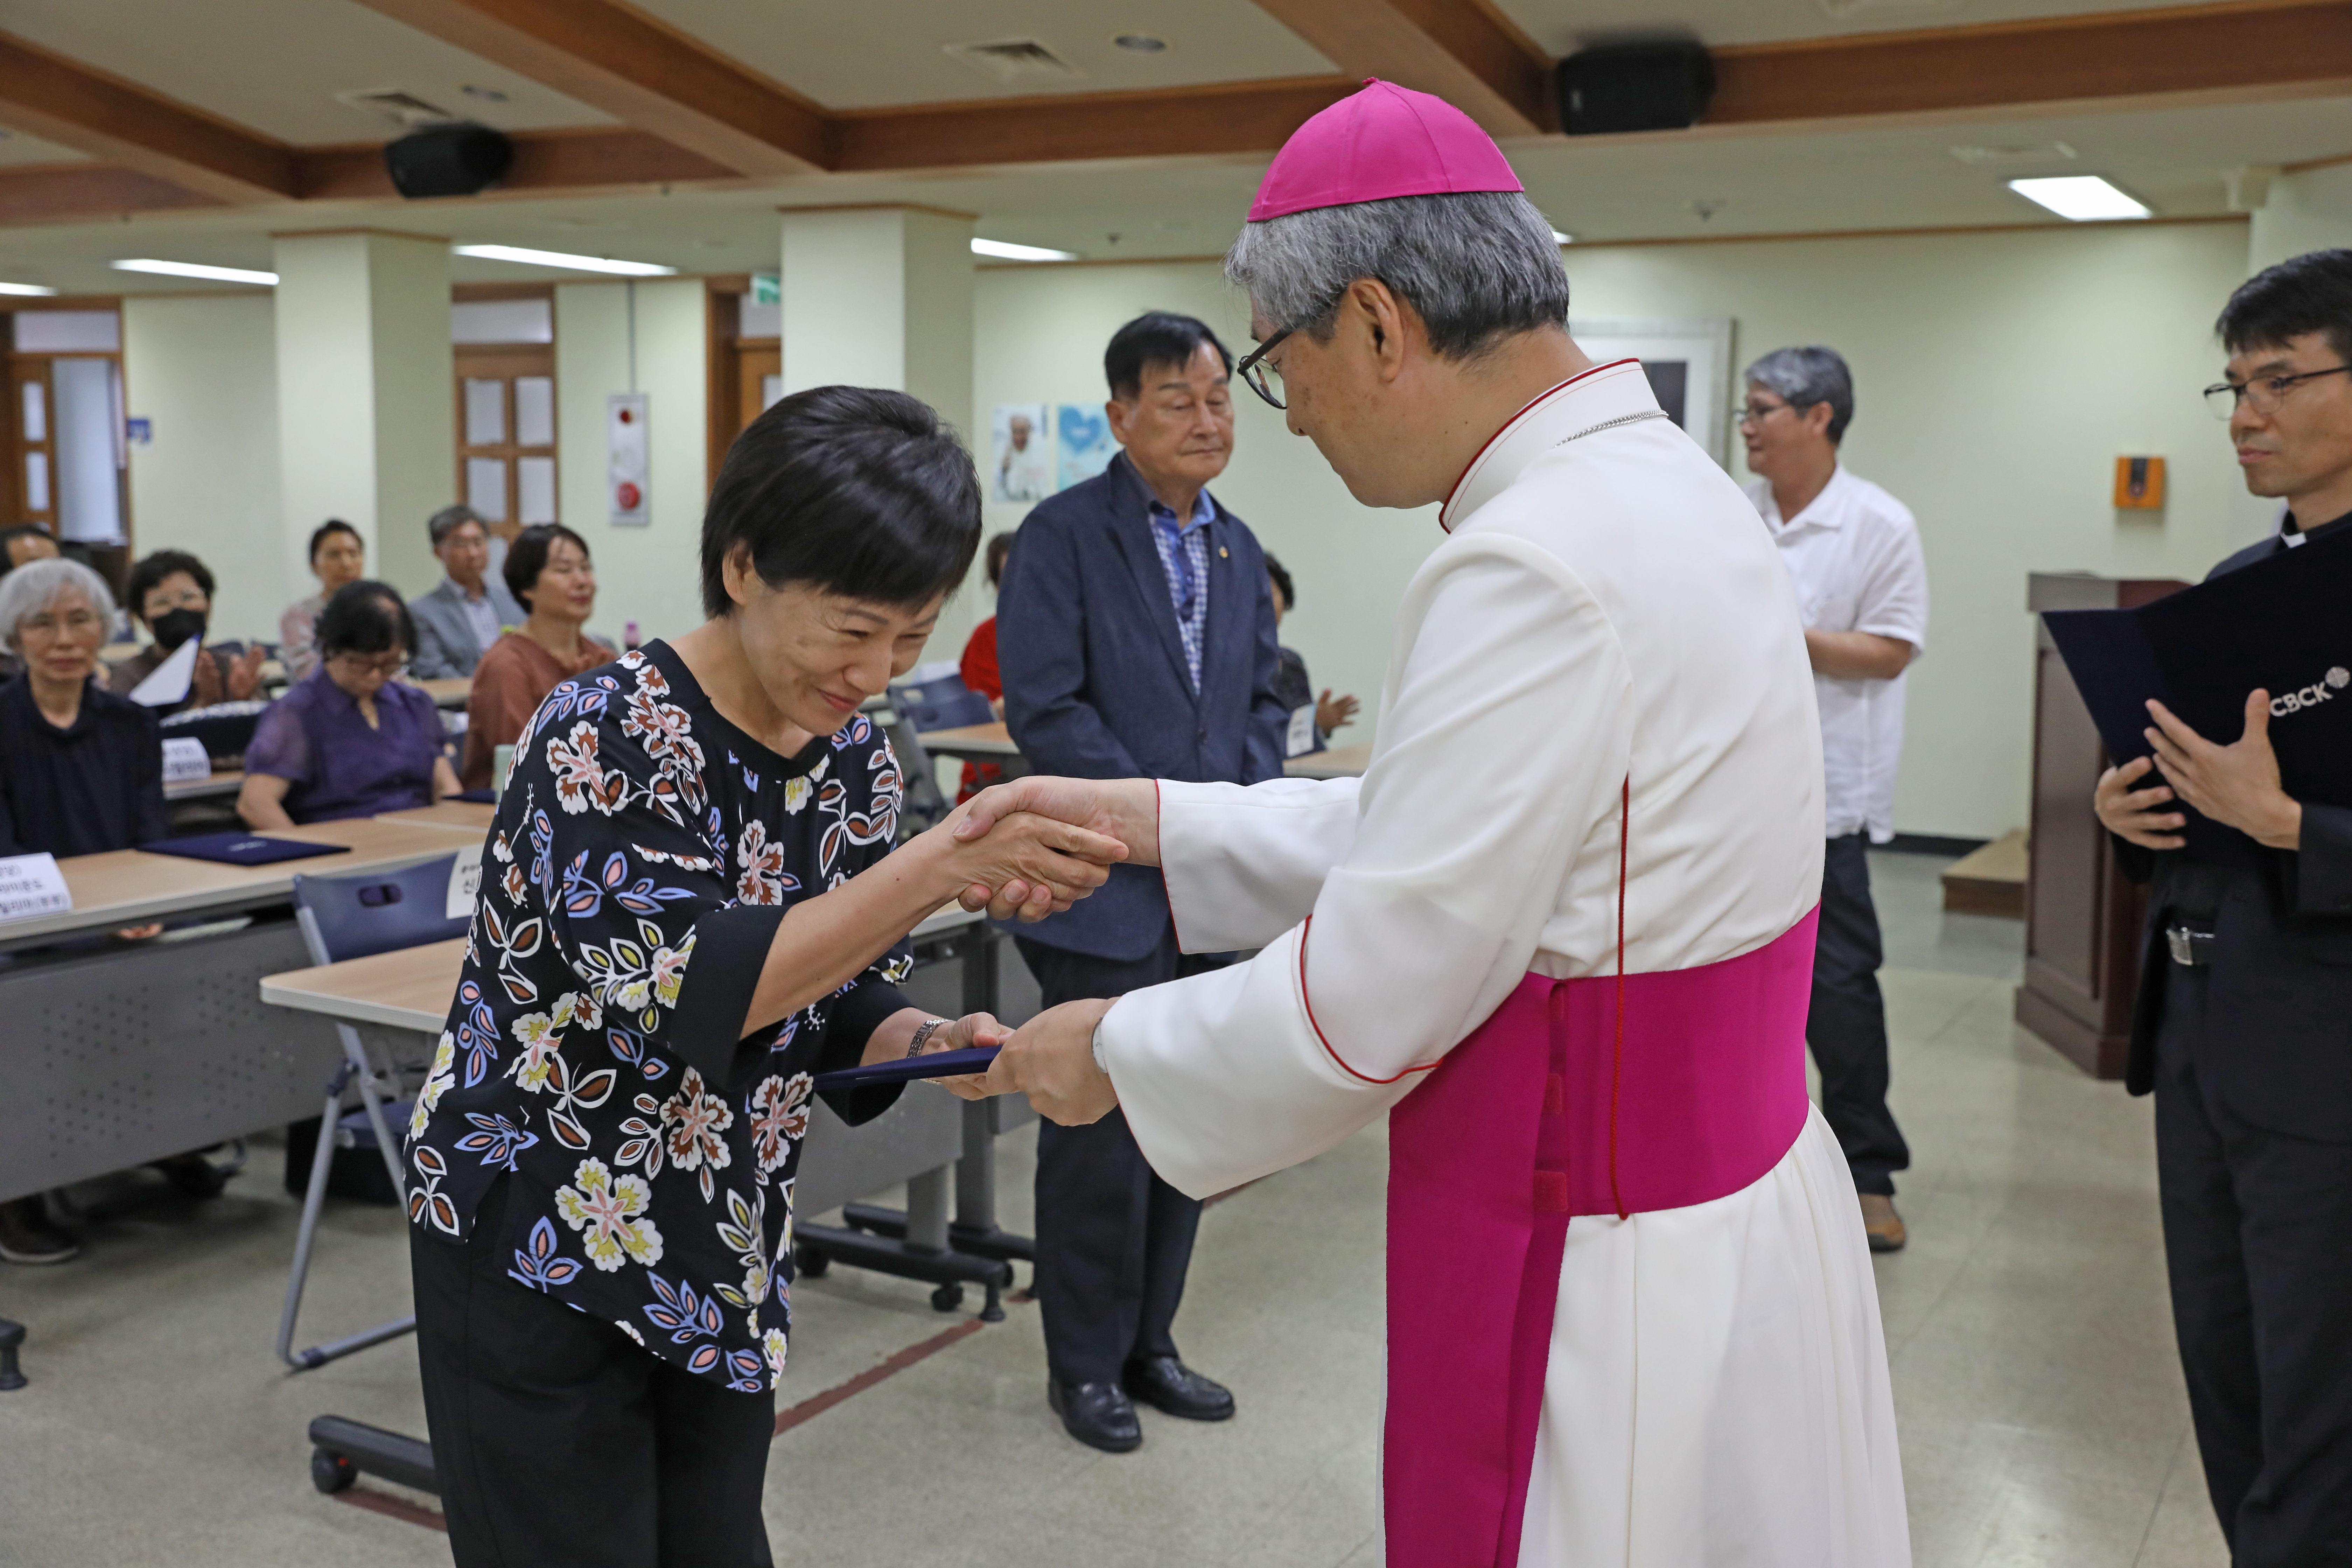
column 351, row 739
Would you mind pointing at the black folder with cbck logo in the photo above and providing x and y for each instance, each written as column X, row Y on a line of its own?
column 2284, row 624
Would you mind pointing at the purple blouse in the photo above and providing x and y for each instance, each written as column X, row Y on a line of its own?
column 314, row 738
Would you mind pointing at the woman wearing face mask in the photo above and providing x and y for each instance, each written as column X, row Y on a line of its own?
column 351, row 740
column 549, row 575
column 170, row 594
column 338, row 556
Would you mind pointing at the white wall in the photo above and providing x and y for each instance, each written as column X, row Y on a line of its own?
column 204, row 372
column 1999, row 376
column 647, row 573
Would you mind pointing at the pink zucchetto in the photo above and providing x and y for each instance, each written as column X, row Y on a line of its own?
column 1386, row 140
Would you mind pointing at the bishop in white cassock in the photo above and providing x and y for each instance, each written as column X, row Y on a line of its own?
column 1560, row 932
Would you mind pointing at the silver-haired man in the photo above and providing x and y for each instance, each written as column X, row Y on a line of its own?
column 1562, row 931
column 1853, row 553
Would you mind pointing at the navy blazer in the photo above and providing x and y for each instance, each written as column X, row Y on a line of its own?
column 1096, row 685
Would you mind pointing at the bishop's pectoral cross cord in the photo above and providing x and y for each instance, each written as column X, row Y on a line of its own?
column 1617, row 1059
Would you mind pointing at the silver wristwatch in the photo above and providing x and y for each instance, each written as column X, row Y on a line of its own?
column 924, row 1031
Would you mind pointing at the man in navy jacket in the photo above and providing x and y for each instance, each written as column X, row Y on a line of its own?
column 1136, row 632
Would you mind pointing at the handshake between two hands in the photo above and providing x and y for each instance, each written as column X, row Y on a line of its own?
column 1026, row 850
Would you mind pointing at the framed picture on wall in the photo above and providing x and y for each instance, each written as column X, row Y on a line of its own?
column 1689, row 366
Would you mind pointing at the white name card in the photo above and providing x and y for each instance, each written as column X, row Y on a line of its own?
column 1299, row 738
column 32, row 885
column 185, row 760
column 465, row 883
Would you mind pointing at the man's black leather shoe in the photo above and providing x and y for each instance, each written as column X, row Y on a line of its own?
column 1097, row 1414
column 1167, row 1383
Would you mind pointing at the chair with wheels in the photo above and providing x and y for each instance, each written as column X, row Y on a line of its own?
column 345, row 918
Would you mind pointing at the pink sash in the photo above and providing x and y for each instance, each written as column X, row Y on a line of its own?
column 1539, row 1116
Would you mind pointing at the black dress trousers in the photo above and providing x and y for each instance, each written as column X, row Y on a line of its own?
column 1113, row 1240
column 558, row 1438
column 1847, row 1026
column 2258, row 1244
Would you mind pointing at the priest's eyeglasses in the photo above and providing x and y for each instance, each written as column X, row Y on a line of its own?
column 2265, row 392
column 1264, row 376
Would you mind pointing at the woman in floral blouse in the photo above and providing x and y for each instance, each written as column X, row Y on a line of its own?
column 689, row 906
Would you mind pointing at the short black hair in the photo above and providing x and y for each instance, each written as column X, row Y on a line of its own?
column 1156, row 337
column 449, row 520
column 852, row 490
column 150, row 573
column 332, row 525
column 527, row 557
column 365, row 617
column 1274, row 569
column 35, row 530
column 2308, row 293
column 999, row 551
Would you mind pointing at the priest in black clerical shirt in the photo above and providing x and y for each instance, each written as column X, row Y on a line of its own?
column 2240, row 1028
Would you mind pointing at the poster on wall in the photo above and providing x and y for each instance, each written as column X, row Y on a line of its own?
column 1020, row 465
column 1689, row 366
column 626, row 480
column 1083, row 434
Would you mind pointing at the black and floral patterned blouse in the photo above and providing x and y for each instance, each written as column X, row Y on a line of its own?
column 644, row 852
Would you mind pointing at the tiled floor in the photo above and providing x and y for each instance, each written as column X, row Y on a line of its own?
column 2042, row 1421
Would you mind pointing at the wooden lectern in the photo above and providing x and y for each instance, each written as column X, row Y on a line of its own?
column 2082, row 916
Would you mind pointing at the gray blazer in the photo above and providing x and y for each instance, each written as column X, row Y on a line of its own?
column 445, row 644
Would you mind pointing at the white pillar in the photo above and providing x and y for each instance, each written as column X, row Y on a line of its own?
column 365, row 414
column 880, row 296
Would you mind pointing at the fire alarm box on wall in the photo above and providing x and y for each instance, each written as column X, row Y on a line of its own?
column 626, row 453
column 2139, row 484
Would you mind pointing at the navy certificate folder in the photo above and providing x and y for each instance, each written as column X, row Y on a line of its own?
column 240, row 848
column 939, row 1063
column 2284, row 624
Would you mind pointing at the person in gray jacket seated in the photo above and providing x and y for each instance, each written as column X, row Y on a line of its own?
column 464, row 615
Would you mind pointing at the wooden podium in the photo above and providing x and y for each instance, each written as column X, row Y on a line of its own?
column 2082, row 916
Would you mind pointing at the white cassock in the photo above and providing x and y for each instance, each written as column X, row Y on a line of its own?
column 1631, row 1315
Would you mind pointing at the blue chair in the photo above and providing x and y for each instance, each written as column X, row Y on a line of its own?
column 342, row 917
column 945, row 704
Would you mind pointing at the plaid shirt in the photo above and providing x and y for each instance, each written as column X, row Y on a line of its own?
column 1185, row 559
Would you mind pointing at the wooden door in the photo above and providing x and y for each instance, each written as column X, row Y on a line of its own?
column 506, row 434
column 760, row 379
column 32, row 473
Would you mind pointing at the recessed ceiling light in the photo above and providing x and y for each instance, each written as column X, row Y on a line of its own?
column 1559, row 238
column 1006, row 251
column 25, row 289
column 2080, row 198
column 486, row 94
column 196, row 269
column 559, row 259
column 1141, row 43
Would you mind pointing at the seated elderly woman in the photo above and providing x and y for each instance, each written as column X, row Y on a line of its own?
column 338, row 555
column 549, row 575
column 81, row 772
column 170, row 594
column 349, row 740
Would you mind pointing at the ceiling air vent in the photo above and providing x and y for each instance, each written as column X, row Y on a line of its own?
column 404, row 109
column 2008, row 153
column 1841, row 10
column 1014, row 59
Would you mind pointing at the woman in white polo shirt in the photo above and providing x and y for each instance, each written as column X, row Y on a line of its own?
column 1852, row 551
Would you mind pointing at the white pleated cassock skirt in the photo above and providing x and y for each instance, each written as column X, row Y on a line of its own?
column 1717, row 1392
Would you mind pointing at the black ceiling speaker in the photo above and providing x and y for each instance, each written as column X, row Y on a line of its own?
column 457, row 160
column 1634, row 87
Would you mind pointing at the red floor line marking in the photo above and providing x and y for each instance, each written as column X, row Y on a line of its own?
column 394, row 1508
column 816, row 1405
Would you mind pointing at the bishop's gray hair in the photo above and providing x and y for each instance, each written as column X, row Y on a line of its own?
column 1477, row 266
column 1802, row 377
column 38, row 584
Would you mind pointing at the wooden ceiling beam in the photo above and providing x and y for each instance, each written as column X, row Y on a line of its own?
column 64, row 101
column 79, row 193
column 641, row 72
column 2234, row 52
column 1467, row 54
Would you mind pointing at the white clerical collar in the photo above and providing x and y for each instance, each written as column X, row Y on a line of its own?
column 1604, row 396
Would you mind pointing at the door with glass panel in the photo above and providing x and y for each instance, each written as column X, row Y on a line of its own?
column 506, row 434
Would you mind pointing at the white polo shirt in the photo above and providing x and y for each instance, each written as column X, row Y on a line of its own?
column 1855, row 557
